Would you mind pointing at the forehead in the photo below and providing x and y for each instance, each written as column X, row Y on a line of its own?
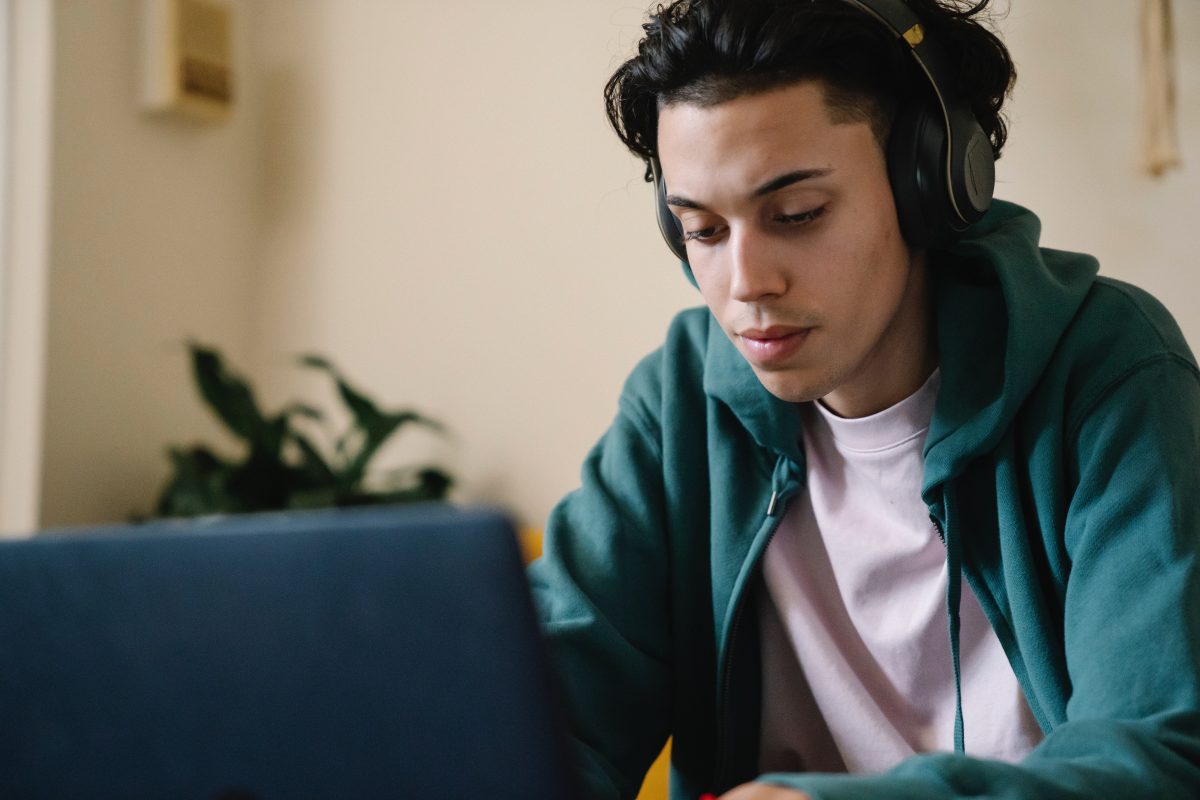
column 753, row 137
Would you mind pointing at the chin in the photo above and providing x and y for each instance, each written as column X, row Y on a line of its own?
column 793, row 388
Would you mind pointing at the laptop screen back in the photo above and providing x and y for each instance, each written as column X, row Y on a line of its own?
column 363, row 653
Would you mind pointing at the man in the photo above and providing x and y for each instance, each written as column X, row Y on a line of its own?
column 910, row 510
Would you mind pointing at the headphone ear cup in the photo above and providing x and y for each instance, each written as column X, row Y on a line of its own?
column 668, row 223
column 916, row 160
column 976, row 174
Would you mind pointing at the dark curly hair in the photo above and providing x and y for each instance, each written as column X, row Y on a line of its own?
column 709, row 51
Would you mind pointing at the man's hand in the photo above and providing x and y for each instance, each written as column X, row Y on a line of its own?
column 761, row 791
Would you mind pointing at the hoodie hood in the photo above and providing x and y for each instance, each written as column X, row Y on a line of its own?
column 994, row 345
column 687, row 273
column 1001, row 304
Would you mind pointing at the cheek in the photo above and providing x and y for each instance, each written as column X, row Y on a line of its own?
column 713, row 289
column 845, row 279
column 870, row 269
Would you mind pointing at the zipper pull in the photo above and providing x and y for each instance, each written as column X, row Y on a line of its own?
column 779, row 483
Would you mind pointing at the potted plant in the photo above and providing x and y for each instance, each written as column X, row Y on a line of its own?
column 281, row 467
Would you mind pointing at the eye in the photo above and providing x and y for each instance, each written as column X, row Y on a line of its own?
column 701, row 228
column 801, row 218
column 700, row 235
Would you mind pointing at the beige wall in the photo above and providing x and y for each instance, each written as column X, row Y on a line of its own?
column 154, row 224
column 453, row 221
column 430, row 195
column 1075, row 145
column 25, row 91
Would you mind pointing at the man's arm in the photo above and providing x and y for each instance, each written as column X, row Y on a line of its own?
column 601, row 588
column 760, row 791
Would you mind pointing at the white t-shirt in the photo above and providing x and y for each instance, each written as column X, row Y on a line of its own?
column 856, row 584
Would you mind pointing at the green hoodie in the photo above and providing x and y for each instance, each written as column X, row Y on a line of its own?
column 1060, row 468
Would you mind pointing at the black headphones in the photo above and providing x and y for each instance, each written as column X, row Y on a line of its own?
column 939, row 159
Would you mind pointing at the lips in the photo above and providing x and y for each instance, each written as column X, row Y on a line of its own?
column 769, row 346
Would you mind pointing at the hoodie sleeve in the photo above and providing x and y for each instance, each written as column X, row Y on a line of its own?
column 601, row 590
column 1131, row 619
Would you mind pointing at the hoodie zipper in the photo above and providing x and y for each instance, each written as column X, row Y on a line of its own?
column 953, row 601
column 775, row 510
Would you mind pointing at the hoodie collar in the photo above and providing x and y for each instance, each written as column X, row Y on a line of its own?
column 728, row 378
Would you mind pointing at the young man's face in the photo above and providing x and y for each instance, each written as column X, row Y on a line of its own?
column 793, row 239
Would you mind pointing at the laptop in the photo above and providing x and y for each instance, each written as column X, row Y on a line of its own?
column 386, row 652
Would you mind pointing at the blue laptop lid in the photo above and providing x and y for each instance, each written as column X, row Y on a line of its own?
column 351, row 653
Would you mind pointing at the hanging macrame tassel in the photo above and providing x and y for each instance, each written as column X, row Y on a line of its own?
column 1159, row 124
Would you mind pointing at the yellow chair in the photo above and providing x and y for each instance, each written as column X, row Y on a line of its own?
column 654, row 787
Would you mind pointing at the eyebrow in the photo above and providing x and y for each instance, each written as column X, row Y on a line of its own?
column 773, row 185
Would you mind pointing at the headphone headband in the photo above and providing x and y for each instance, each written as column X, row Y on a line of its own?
column 965, row 190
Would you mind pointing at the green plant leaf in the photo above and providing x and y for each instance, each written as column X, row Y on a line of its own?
column 303, row 410
column 317, row 471
column 436, row 482
column 316, row 361
column 364, row 410
column 322, row 497
column 197, row 486
column 375, row 425
column 367, row 414
column 271, row 476
column 232, row 400
column 270, row 444
column 374, row 437
column 432, row 484
column 263, row 482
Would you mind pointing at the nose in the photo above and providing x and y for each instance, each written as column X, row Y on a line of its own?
column 755, row 270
